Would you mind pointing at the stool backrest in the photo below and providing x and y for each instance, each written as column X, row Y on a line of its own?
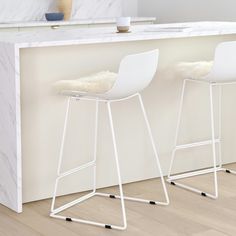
column 224, row 66
column 135, row 73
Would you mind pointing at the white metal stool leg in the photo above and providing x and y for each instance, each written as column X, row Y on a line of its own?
column 213, row 141
column 177, row 130
column 155, row 152
column 95, row 148
column 61, row 152
column 152, row 202
column 54, row 212
column 220, row 135
column 220, row 126
column 117, row 167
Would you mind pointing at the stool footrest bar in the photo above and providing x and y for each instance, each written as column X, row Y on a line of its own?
column 194, row 173
column 88, row 222
column 72, row 171
column 71, row 204
column 194, row 190
column 131, row 199
column 197, row 144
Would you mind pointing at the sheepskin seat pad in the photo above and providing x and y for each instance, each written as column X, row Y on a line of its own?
column 194, row 70
column 98, row 83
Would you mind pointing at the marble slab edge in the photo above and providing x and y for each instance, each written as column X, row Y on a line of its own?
column 10, row 128
column 72, row 22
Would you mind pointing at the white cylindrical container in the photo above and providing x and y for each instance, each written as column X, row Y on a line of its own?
column 123, row 24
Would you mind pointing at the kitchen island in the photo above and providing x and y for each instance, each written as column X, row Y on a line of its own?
column 32, row 116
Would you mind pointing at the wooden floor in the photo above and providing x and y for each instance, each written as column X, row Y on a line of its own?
column 188, row 214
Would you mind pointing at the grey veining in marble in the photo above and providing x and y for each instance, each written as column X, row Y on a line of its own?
column 26, row 10
column 34, row 10
column 83, row 9
column 10, row 150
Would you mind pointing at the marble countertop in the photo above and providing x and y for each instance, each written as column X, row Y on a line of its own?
column 108, row 34
column 72, row 22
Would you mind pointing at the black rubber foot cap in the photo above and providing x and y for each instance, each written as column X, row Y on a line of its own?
column 152, row 203
column 108, row 227
column 69, row 219
column 228, row 171
column 172, row 183
column 204, row 194
column 112, row 196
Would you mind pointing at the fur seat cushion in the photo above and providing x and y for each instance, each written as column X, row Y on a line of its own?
column 96, row 83
column 194, row 70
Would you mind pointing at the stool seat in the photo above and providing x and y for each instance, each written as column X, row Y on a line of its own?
column 200, row 70
column 194, row 70
column 97, row 83
column 222, row 71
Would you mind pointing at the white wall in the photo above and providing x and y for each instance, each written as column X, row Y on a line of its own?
column 83, row 9
column 130, row 7
column 188, row 10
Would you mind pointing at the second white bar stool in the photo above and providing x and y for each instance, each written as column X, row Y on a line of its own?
column 135, row 73
column 222, row 73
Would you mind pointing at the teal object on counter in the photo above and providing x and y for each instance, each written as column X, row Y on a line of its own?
column 57, row 16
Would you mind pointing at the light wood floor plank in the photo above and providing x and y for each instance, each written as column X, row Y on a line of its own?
column 211, row 233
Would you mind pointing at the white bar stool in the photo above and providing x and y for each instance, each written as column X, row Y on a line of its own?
column 223, row 72
column 135, row 73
